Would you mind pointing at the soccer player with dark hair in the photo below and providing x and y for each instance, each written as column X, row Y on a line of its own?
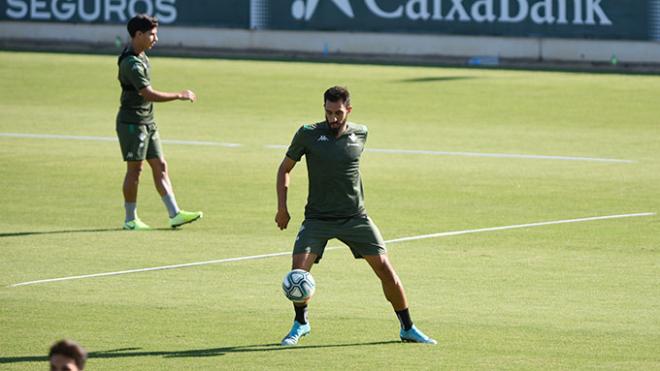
column 137, row 131
column 66, row 355
column 335, row 207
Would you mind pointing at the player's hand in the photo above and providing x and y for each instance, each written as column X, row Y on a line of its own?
column 188, row 95
column 282, row 219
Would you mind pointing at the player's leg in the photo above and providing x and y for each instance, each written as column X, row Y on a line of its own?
column 303, row 261
column 161, row 177
column 130, row 140
column 130, row 190
column 365, row 240
column 308, row 249
column 159, row 168
column 392, row 286
column 163, row 184
column 395, row 294
column 132, row 180
column 301, row 326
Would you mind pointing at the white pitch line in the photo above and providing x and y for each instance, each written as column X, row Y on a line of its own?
column 530, row 225
column 396, row 240
column 477, row 154
column 56, row 136
column 200, row 143
column 498, row 155
column 161, row 268
column 114, row 139
column 377, row 150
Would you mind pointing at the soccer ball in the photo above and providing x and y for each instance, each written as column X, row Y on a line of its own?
column 298, row 285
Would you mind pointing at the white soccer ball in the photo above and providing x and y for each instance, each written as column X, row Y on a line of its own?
column 298, row 285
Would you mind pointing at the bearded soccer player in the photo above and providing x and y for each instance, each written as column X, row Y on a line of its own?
column 335, row 207
column 137, row 131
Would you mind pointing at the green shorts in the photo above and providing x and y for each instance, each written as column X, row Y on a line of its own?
column 139, row 142
column 359, row 233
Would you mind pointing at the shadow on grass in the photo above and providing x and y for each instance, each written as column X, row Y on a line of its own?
column 210, row 352
column 37, row 233
column 438, row 79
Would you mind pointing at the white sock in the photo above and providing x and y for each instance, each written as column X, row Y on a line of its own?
column 131, row 211
column 170, row 203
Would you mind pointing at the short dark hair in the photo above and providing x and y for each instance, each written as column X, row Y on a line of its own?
column 69, row 349
column 336, row 94
column 141, row 22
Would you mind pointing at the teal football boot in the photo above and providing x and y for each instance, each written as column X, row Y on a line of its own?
column 298, row 330
column 414, row 335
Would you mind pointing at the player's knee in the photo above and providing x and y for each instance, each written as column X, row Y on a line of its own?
column 159, row 166
column 134, row 172
column 387, row 275
column 303, row 261
column 392, row 280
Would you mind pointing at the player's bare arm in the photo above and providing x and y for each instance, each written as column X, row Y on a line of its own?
column 283, row 179
column 158, row 96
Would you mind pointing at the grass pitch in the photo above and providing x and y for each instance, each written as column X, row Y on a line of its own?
column 572, row 296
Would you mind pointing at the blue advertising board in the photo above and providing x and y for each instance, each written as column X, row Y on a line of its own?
column 200, row 13
column 597, row 19
column 591, row 19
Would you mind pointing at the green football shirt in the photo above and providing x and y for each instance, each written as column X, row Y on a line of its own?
column 333, row 168
column 134, row 75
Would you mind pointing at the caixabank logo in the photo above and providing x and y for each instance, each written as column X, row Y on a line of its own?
column 597, row 19
column 566, row 12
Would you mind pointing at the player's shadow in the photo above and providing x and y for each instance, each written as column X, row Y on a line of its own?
column 438, row 79
column 210, row 352
column 65, row 231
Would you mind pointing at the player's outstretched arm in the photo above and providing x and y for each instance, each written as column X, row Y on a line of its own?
column 283, row 179
column 159, row 96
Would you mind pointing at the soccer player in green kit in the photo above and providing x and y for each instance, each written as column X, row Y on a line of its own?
column 137, row 131
column 335, row 207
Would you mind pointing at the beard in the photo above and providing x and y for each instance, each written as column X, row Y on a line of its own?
column 335, row 128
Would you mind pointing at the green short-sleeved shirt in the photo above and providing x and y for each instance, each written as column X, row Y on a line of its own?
column 134, row 75
column 333, row 167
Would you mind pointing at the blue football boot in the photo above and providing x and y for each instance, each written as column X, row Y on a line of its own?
column 414, row 335
column 298, row 330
